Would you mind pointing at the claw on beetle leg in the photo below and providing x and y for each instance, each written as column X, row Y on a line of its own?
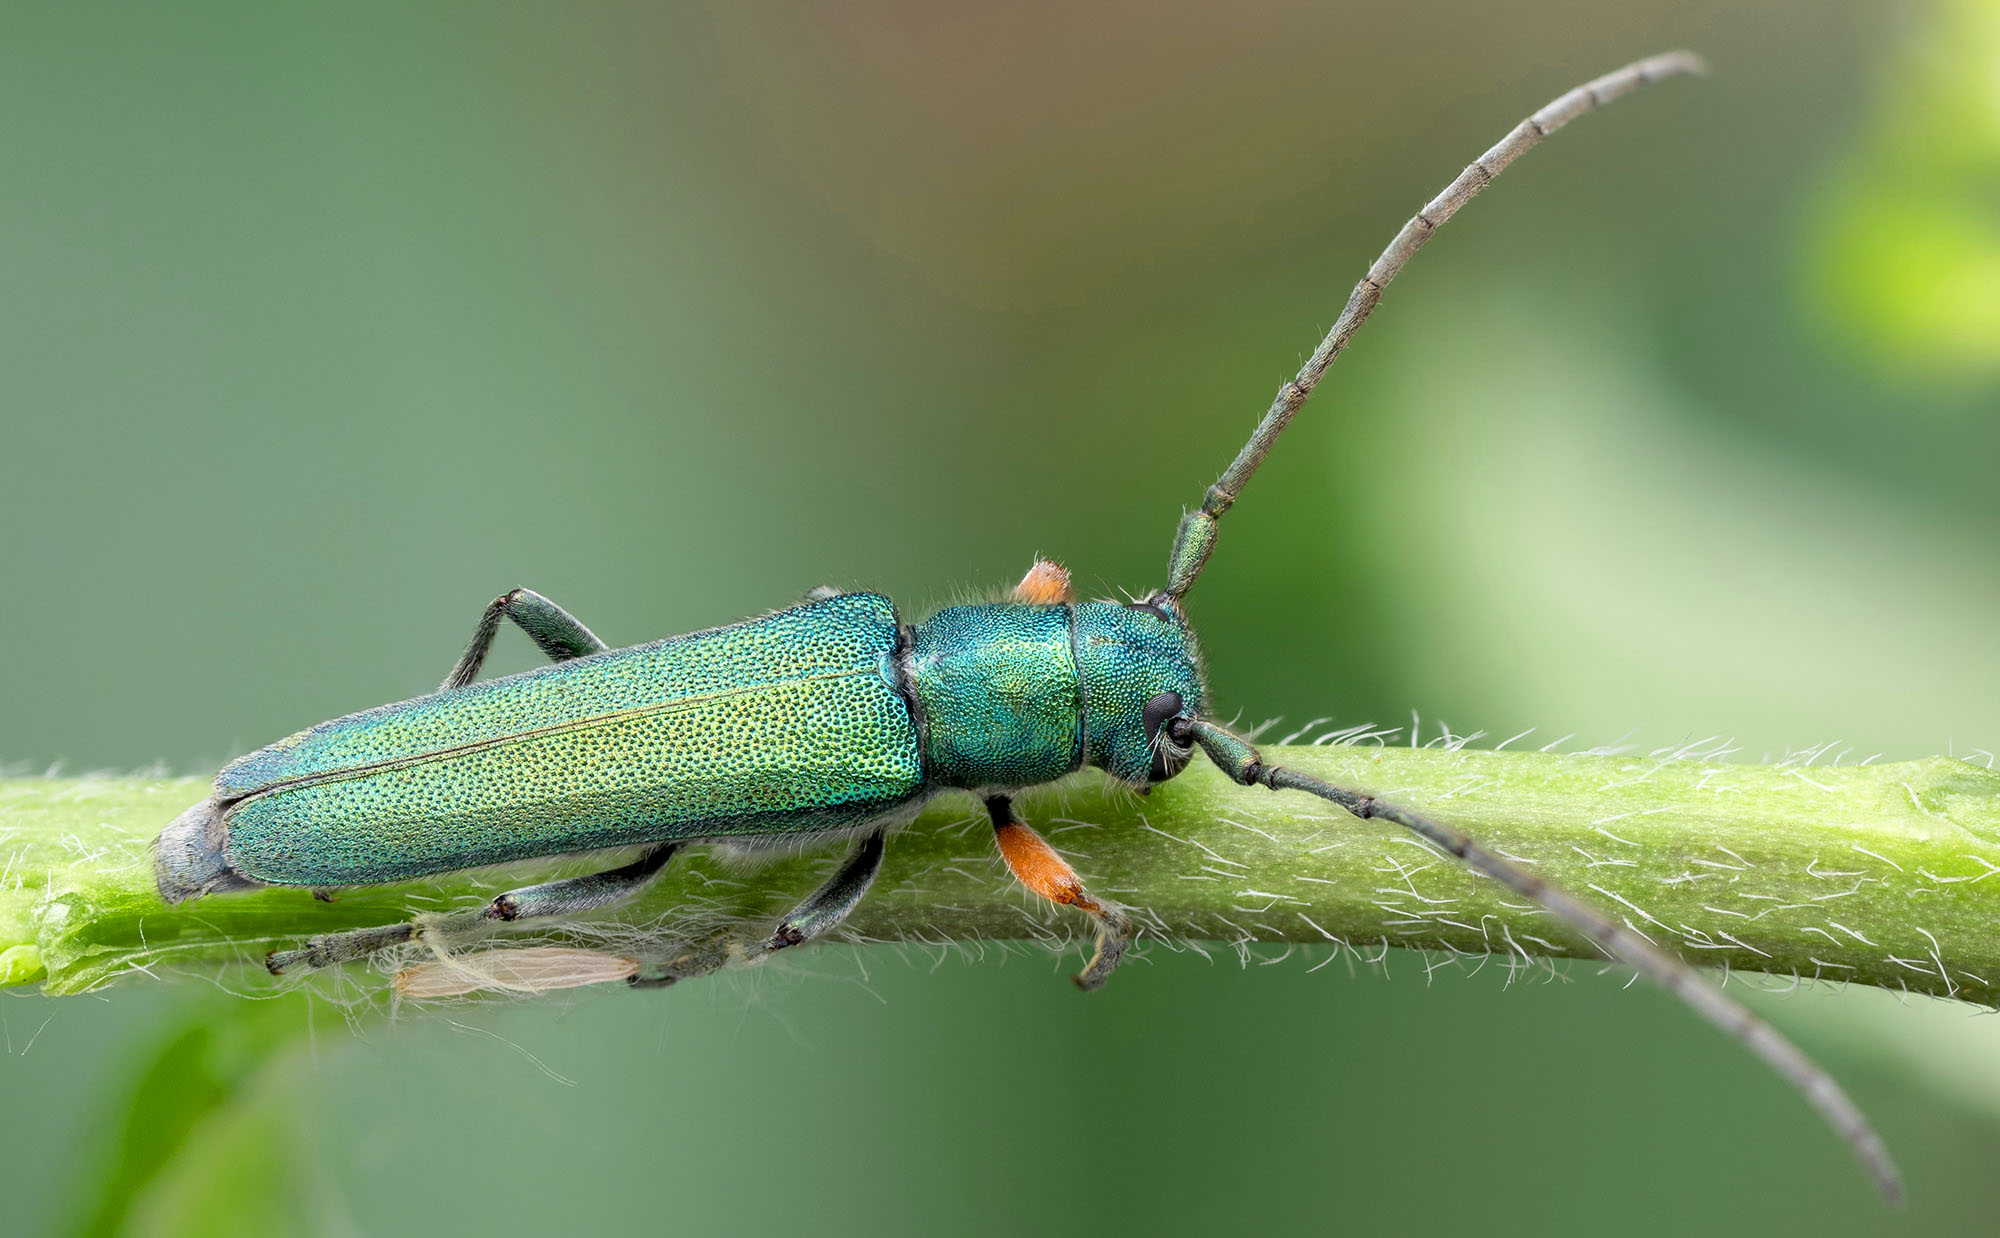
column 1042, row 870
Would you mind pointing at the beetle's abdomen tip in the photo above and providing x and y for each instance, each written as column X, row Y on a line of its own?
column 188, row 859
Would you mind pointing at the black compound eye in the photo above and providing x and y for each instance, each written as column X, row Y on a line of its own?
column 1153, row 608
column 1168, row 758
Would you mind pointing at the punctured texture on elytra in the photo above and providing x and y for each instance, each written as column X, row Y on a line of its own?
column 788, row 723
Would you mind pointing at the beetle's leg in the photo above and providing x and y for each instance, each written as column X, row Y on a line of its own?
column 552, row 628
column 828, row 906
column 823, row 909
column 575, row 895
column 1037, row 866
column 697, row 960
column 329, row 949
column 569, row 896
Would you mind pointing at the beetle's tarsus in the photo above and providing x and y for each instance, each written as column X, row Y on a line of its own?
column 824, row 909
column 699, row 960
column 570, row 896
column 330, row 949
column 1114, row 936
column 1039, row 867
column 786, row 935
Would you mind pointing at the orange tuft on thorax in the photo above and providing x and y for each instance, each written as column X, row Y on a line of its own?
column 1045, row 584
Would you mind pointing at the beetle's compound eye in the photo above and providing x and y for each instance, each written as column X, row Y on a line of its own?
column 1169, row 755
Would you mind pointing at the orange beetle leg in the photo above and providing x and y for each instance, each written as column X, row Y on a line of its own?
column 1037, row 866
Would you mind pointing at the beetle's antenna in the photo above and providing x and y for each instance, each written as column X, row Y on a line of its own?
column 1196, row 537
column 1237, row 758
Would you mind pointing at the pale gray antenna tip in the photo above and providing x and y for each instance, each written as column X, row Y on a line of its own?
column 1196, row 537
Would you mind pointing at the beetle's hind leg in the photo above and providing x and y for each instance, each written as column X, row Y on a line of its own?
column 554, row 630
column 330, row 949
column 575, row 895
column 827, row 906
column 1037, row 866
column 819, row 913
column 711, row 955
column 567, row 897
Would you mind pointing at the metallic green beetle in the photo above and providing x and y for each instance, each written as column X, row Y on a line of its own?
column 831, row 719
column 826, row 719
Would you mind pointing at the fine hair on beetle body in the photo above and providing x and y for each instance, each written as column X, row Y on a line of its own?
column 834, row 719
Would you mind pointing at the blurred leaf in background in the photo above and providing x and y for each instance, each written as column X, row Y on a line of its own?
column 1904, row 258
column 216, row 1131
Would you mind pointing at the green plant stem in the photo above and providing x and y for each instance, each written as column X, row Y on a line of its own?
column 1875, row 874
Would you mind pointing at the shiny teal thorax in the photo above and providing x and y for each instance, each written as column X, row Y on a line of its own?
column 1011, row 694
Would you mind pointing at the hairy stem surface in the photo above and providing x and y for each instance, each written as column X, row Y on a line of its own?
column 1875, row 874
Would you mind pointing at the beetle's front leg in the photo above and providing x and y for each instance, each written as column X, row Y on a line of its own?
column 1037, row 866
column 554, row 630
column 567, row 897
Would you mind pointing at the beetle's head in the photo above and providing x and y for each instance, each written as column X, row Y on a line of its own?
column 1140, row 670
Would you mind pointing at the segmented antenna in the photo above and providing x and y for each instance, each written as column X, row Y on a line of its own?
column 1196, row 537
column 1241, row 761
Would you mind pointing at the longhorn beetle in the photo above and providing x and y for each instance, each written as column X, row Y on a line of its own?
column 834, row 719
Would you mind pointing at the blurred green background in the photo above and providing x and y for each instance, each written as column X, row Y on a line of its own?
column 322, row 326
